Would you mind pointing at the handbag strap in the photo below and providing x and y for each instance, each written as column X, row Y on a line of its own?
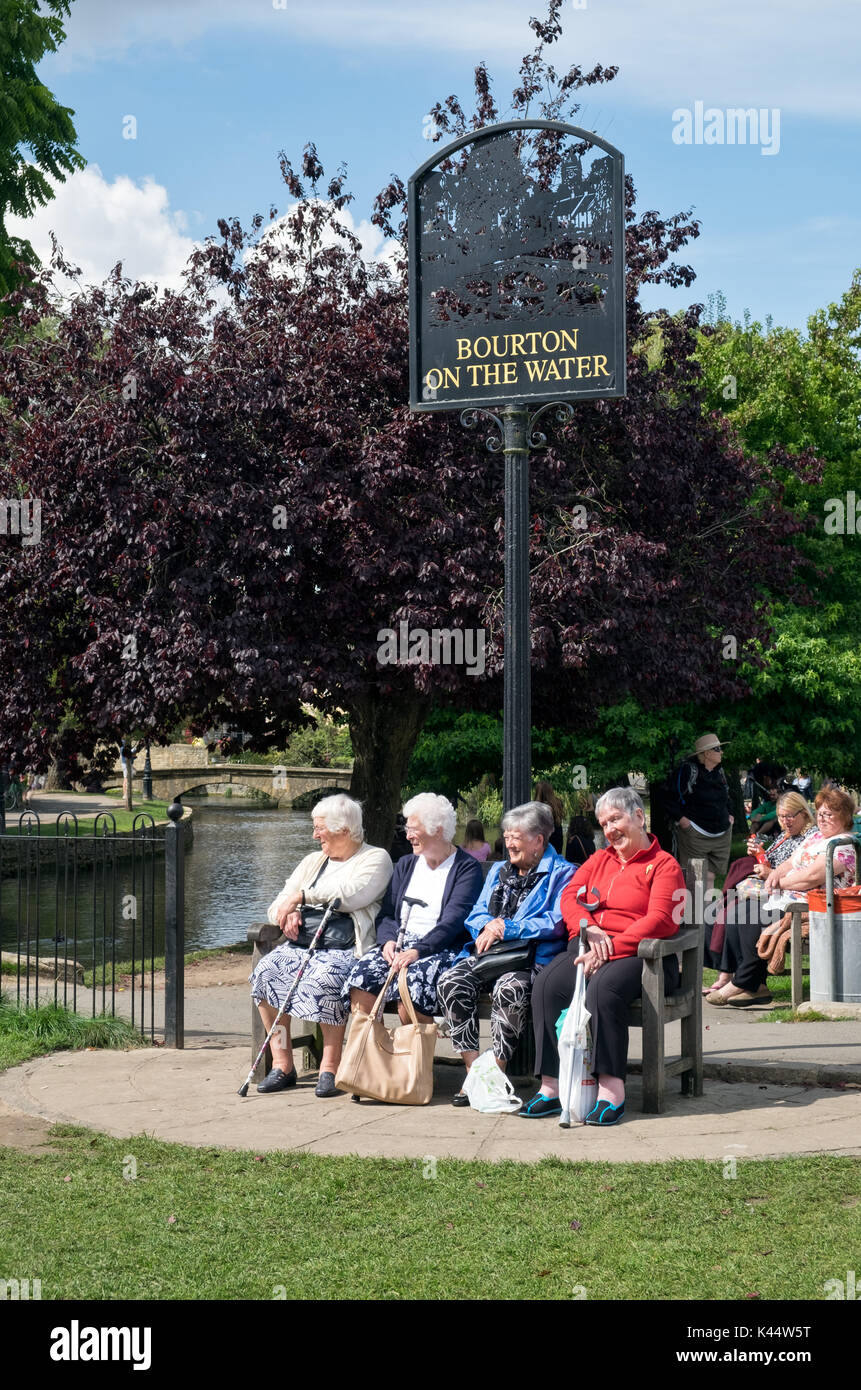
column 319, row 871
column 407, row 1002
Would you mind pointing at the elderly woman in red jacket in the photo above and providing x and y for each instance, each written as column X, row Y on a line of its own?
column 626, row 892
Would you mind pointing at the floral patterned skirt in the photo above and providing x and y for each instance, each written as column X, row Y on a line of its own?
column 370, row 973
column 319, row 998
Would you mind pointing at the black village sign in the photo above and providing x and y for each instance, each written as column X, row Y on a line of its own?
column 517, row 265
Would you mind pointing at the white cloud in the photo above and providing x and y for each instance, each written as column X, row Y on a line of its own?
column 99, row 223
column 671, row 52
column 375, row 246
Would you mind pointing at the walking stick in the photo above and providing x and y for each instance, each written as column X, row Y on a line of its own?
column 333, row 907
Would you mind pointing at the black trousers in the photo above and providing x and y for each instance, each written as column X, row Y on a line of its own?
column 609, row 992
column 739, row 955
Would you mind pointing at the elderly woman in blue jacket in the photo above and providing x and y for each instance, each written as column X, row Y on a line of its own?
column 519, row 903
column 443, row 882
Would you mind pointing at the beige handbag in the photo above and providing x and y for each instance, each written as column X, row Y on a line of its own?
column 382, row 1064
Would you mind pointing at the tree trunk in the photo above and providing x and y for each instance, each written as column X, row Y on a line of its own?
column 384, row 733
column 57, row 777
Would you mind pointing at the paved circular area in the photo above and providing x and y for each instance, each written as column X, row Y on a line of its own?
column 190, row 1097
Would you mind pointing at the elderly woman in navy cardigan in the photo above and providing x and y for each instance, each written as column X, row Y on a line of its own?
column 446, row 881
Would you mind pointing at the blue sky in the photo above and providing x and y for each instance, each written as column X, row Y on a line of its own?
column 218, row 87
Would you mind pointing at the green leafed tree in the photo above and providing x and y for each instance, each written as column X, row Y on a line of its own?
column 793, row 398
column 37, row 137
column 793, row 393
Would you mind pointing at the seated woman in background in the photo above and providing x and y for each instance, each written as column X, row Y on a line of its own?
column 632, row 887
column 580, row 842
column 519, row 903
column 742, row 974
column 474, row 842
column 447, row 880
column 344, row 867
column 805, row 869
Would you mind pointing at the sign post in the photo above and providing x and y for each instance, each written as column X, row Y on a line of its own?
column 517, row 307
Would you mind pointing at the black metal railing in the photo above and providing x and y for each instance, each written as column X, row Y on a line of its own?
column 84, row 916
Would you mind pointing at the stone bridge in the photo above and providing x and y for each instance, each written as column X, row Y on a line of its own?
column 290, row 787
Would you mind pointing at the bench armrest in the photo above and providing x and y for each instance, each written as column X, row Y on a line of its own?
column 656, row 947
column 263, row 935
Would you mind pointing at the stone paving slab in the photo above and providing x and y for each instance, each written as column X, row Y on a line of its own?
column 190, row 1097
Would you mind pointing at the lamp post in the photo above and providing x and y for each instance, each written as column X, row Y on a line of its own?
column 517, row 305
column 147, row 775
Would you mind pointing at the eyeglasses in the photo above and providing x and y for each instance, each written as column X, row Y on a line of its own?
column 824, row 814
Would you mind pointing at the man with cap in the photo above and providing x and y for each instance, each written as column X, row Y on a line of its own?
column 699, row 806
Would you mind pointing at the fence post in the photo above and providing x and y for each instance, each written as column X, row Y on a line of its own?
column 174, row 928
column 2, row 799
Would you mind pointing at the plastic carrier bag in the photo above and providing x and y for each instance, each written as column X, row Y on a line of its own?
column 488, row 1088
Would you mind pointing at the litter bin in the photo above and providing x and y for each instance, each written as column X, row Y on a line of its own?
column 835, row 935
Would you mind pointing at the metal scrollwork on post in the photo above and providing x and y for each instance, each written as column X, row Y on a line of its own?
column 564, row 412
column 471, row 419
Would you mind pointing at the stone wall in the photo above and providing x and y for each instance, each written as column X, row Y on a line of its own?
column 174, row 755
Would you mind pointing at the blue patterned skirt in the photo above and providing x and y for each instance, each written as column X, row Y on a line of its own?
column 370, row 973
column 319, row 998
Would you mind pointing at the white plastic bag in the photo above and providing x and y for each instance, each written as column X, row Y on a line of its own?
column 578, row 1088
column 488, row 1088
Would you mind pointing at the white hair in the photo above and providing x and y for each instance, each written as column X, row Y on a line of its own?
column 434, row 812
column 338, row 813
column 621, row 799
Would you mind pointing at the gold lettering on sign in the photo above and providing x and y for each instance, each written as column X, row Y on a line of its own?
column 494, row 360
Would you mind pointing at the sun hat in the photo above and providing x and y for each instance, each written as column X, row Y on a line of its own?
column 709, row 743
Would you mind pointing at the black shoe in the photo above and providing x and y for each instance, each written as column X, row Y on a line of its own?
column 460, row 1099
column 277, row 1080
column 541, row 1105
column 326, row 1085
column 603, row 1113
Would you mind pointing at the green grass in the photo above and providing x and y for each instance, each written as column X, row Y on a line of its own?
column 30, row 1032
column 810, row 1016
column 86, row 824
column 781, row 991
column 208, row 1223
column 124, row 967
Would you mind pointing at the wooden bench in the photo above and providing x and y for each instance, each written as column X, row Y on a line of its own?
column 656, row 1008
column 651, row 1013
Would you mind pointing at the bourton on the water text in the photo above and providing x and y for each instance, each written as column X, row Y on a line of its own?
column 542, row 354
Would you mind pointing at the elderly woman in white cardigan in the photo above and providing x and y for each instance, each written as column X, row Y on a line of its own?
column 346, row 868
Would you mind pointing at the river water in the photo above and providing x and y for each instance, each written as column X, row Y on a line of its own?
column 243, row 851
column 241, row 855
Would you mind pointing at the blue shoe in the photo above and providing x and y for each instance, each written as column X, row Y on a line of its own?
column 541, row 1105
column 603, row 1113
